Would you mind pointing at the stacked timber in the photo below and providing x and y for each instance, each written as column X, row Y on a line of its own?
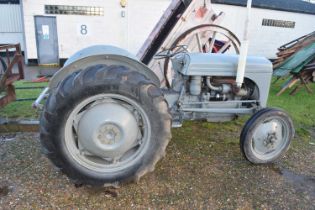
column 296, row 63
column 287, row 50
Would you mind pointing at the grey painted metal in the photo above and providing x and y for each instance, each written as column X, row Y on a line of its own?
column 258, row 69
column 106, row 133
column 195, row 85
column 46, row 40
column 220, row 102
column 102, row 54
column 207, row 112
column 190, row 107
column 270, row 138
column 212, row 64
column 263, row 81
column 99, row 50
column 221, row 110
column 41, row 96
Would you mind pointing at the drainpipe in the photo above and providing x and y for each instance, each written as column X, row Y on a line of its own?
column 24, row 36
column 244, row 49
column 128, row 24
column 125, row 15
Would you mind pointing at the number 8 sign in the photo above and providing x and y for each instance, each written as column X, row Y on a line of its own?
column 83, row 30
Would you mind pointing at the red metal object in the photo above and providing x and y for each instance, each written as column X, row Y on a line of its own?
column 200, row 13
column 41, row 79
column 7, row 77
column 180, row 16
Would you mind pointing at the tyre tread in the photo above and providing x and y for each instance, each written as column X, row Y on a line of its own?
column 99, row 74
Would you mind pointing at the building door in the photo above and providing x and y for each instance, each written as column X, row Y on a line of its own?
column 46, row 40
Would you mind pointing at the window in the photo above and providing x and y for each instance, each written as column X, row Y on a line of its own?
column 9, row 1
column 278, row 23
column 74, row 10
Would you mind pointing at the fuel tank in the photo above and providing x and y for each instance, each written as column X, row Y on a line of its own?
column 210, row 64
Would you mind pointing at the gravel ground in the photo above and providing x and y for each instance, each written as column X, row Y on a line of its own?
column 203, row 169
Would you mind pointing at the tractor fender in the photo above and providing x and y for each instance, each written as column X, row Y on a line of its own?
column 102, row 54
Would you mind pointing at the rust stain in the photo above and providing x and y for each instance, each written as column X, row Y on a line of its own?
column 201, row 12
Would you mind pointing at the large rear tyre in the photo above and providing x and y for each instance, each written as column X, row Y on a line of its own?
column 266, row 136
column 105, row 125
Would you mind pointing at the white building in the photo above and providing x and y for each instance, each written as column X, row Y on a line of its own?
column 81, row 23
column 74, row 24
column 273, row 23
column 11, row 24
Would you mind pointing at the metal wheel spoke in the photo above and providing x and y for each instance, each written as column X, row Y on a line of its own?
column 76, row 121
column 225, row 46
column 212, row 41
column 137, row 143
column 139, row 139
column 191, row 39
column 137, row 116
column 199, row 42
column 113, row 160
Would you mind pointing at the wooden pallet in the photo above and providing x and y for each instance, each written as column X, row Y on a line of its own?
column 305, row 77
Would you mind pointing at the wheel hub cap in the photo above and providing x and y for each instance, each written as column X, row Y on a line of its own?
column 109, row 134
column 268, row 137
column 107, row 130
column 270, row 141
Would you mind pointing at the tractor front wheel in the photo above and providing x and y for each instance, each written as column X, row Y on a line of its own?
column 266, row 136
column 105, row 125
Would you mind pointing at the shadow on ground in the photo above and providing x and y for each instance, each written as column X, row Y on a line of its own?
column 203, row 169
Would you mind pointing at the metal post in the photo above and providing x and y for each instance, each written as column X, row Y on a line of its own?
column 244, row 48
column 128, row 24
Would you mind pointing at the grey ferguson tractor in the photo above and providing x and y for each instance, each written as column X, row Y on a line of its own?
column 107, row 121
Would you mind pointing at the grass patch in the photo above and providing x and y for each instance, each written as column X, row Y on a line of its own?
column 301, row 107
column 23, row 109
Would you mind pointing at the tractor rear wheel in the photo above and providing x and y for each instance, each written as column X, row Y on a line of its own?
column 105, row 125
column 266, row 136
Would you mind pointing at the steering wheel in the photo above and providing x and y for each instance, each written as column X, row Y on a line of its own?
column 168, row 53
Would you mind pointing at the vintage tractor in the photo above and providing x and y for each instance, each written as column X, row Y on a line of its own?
column 108, row 120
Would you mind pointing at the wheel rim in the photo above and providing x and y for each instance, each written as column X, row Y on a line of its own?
column 202, row 39
column 107, row 133
column 270, row 138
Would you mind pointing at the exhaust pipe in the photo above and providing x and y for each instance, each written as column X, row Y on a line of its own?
column 244, row 49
